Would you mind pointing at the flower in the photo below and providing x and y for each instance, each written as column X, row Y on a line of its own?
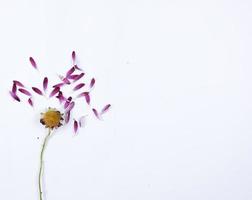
column 53, row 118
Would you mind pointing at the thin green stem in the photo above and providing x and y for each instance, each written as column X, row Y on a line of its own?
column 41, row 163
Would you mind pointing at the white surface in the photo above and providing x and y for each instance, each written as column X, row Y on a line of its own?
column 178, row 74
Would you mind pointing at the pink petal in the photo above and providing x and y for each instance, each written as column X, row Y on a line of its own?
column 79, row 86
column 14, row 96
column 24, row 91
column 83, row 94
column 18, row 83
column 66, row 81
column 105, row 109
column 78, row 77
column 30, row 102
column 61, row 97
column 87, row 97
column 38, row 91
column 92, row 82
column 14, row 88
column 69, row 99
column 70, row 107
column 70, row 71
column 45, row 83
column 33, row 63
column 75, row 126
column 76, row 67
column 82, row 121
column 73, row 76
column 73, row 56
column 55, row 91
column 96, row 113
column 67, row 117
column 58, row 85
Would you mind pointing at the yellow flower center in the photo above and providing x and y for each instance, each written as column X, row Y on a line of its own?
column 51, row 118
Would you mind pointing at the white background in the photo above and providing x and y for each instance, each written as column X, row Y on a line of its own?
column 178, row 74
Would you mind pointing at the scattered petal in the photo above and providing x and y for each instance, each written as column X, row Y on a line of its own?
column 14, row 88
column 61, row 97
column 105, row 109
column 96, row 113
column 77, row 77
column 69, row 99
column 79, row 86
column 83, row 94
column 82, row 121
column 67, row 117
column 30, row 102
column 76, row 67
column 18, row 83
column 45, row 83
column 38, row 91
column 33, row 63
column 66, row 81
column 58, row 85
column 73, row 56
column 92, row 82
column 14, row 96
column 70, row 107
column 70, row 71
column 24, row 91
column 54, row 91
column 75, row 126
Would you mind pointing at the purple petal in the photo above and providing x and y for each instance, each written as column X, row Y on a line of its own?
column 69, row 99
column 67, row 117
column 54, row 91
column 79, row 86
column 70, row 71
column 77, row 77
column 30, row 102
column 38, row 91
column 76, row 67
column 66, row 81
column 24, row 91
column 61, row 97
column 70, row 107
column 14, row 88
column 58, row 85
column 18, row 83
column 14, row 96
column 105, row 109
column 45, row 83
column 33, row 63
column 73, row 56
column 82, row 121
column 75, row 126
column 87, row 97
column 83, row 94
column 96, row 113
column 92, row 82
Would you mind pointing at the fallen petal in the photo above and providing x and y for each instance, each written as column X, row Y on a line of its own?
column 66, row 81
column 58, row 85
column 45, row 83
column 79, row 86
column 75, row 126
column 61, row 97
column 33, row 63
column 14, row 96
column 54, row 91
column 14, row 88
column 83, row 94
column 73, row 56
column 92, row 82
column 78, row 77
column 70, row 71
column 70, row 107
column 96, row 113
column 105, row 109
column 76, row 67
column 38, row 91
column 30, row 102
column 18, row 83
column 69, row 99
column 67, row 117
column 24, row 91
column 82, row 121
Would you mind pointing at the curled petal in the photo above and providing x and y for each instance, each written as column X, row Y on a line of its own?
column 73, row 56
column 30, row 102
column 24, row 91
column 54, row 91
column 70, row 71
column 45, row 83
column 92, row 82
column 78, row 68
column 79, row 86
column 105, row 109
column 70, row 107
column 14, row 96
column 33, row 63
column 58, row 85
column 18, row 83
column 67, row 117
column 38, row 91
column 75, row 126
column 14, row 88
column 96, row 113
column 82, row 121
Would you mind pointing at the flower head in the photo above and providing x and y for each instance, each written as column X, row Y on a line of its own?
column 53, row 118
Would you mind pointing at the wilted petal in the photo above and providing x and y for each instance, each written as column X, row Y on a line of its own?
column 70, row 107
column 96, row 113
column 70, row 71
column 105, row 109
column 30, row 102
column 24, row 91
column 75, row 126
column 45, row 83
column 76, row 67
column 82, row 121
column 18, row 83
column 14, row 96
column 14, row 88
column 38, row 91
column 79, row 86
column 54, row 91
column 73, row 56
column 33, row 63
column 92, row 82
column 67, row 117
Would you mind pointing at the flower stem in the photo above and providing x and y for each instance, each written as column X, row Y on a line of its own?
column 41, row 163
